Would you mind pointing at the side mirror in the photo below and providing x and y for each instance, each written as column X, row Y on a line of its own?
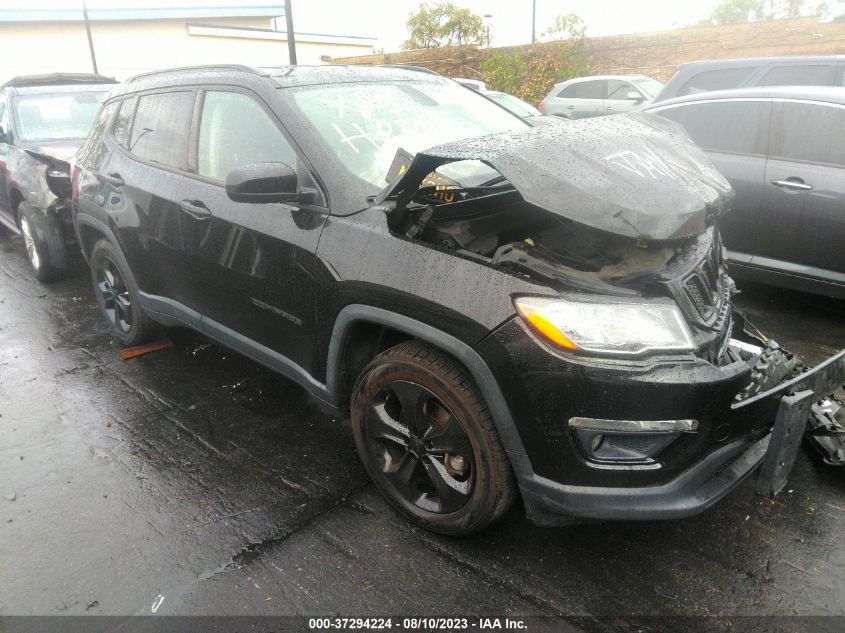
column 263, row 183
column 4, row 136
column 633, row 95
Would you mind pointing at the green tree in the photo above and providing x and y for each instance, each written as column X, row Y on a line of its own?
column 444, row 24
column 529, row 72
column 565, row 27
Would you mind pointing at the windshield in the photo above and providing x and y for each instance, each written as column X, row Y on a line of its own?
column 57, row 116
column 514, row 104
column 650, row 86
column 365, row 124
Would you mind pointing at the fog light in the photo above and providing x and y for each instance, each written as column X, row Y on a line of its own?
column 607, row 441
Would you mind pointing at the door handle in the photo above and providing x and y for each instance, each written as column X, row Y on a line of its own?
column 196, row 209
column 113, row 179
column 570, row 107
column 793, row 183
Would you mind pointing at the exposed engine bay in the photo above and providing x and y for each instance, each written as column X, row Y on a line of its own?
column 502, row 229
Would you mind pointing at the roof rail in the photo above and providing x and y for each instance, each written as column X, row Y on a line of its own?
column 419, row 69
column 164, row 71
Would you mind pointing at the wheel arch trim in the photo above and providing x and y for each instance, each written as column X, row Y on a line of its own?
column 466, row 355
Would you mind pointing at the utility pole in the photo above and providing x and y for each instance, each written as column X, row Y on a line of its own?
column 90, row 41
column 291, row 40
column 533, row 21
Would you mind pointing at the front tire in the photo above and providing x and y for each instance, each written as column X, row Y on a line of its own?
column 44, row 241
column 118, row 297
column 427, row 440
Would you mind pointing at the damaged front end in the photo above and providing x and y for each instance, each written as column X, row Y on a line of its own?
column 621, row 207
column 618, row 218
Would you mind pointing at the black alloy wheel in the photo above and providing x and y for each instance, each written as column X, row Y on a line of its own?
column 118, row 296
column 422, row 448
column 114, row 295
column 428, row 441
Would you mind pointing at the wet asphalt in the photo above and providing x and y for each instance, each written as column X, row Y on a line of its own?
column 194, row 481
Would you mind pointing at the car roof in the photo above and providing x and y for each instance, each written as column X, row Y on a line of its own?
column 57, row 79
column 280, row 76
column 36, row 90
column 830, row 94
column 708, row 64
column 601, row 77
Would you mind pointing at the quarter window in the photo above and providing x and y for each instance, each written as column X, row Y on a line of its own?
column 799, row 75
column 806, row 134
column 235, row 130
column 161, row 127
column 122, row 121
column 727, row 126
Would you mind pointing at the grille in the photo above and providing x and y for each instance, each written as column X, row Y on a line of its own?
column 697, row 293
column 702, row 285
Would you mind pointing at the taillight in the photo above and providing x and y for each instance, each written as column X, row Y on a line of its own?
column 542, row 106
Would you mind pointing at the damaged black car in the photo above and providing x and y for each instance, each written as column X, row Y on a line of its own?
column 43, row 121
column 503, row 311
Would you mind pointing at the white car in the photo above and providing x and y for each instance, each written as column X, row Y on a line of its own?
column 600, row 95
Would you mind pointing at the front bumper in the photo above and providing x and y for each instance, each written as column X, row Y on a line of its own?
column 561, row 486
column 696, row 489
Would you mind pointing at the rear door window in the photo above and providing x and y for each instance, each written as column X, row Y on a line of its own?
column 722, row 79
column 584, row 90
column 738, row 127
column 161, row 128
column 235, row 130
column 803, row 132
column 799, row 75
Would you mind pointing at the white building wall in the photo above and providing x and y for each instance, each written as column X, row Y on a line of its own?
column 128, row 47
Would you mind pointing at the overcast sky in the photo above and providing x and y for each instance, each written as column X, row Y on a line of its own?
column 511, row 21
column 385, row 19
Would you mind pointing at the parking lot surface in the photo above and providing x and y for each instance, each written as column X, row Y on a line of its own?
column 194, row 481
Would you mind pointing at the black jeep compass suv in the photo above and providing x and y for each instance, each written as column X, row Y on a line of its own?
column 500, row 309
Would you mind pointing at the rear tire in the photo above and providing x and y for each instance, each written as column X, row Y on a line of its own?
column 427, row 440
column 44, row 241
column 118, row 297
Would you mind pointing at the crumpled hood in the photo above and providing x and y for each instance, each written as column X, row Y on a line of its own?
column 59, row 150
column 636, row 175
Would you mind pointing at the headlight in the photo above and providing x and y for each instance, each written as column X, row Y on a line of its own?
column 621, row 328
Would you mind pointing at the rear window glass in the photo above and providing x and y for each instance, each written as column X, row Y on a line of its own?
column 799, row 75
column 57, row 116
column 583, row 90
column 161, row 127
column 722, row 79
column 805, row 132
column 729, row 126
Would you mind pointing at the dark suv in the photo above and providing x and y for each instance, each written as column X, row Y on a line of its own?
column 724, row 74
column 43, row 121
column 542, row 310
